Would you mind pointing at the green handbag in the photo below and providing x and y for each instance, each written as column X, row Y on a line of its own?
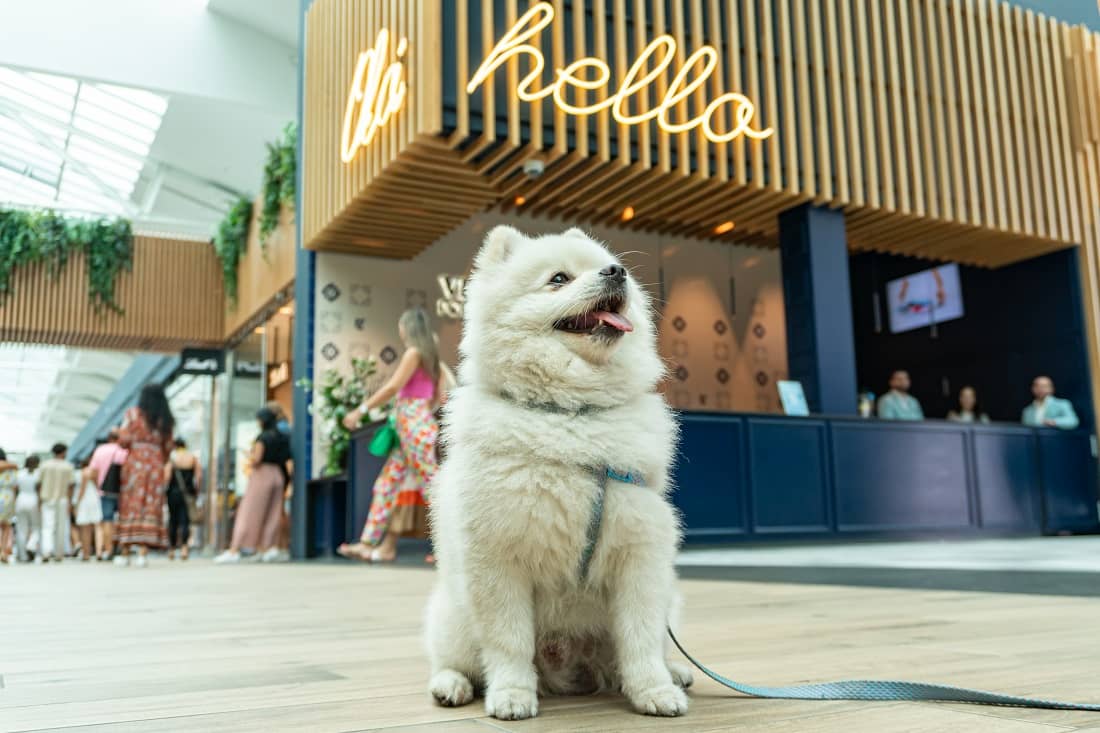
column 385, row 440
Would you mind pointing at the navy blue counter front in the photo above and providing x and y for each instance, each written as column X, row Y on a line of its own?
column 767, row 477
column 762, row 476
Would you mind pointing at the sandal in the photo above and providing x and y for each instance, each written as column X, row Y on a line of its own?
column 355, row 551
column 377, row 559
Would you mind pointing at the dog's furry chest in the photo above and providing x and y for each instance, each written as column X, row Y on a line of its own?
column 538, row 515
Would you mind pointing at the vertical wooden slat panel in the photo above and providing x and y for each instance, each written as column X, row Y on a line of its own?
column 718, row 84
column 683, row 145
column 736, row 81
column 948, row 58
column 823, row 145
column 807, row 156
column 856, row 165
column 599, row 10
column 978, row 111
column 641, row 39
column 926, row 101
column 775, row 172
column 1046, row 198
column 791, row 128
column 882, row 113
column 837, row 140
column 1014, row 53
column 702, row 146
column 966, row 112
column 893, row 61
column 1054, row 125
column 1008, row 193
column 912, row 154
column 752, row 72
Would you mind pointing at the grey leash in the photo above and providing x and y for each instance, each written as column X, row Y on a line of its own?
column 846, row 690
column 883, row 690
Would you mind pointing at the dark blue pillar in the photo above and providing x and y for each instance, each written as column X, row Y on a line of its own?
column 301, row 442
column 821, row 350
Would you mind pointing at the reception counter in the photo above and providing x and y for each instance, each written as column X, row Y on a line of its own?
column 765, row 477
column 769, row 477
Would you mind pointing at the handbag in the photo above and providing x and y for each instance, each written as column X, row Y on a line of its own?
column 385, row 440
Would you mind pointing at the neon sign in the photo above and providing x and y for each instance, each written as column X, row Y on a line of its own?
column 377, row 93
column 661, row 51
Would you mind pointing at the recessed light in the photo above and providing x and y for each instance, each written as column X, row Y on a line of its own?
column 628, row 213
column 724, row 227
column 520, row 200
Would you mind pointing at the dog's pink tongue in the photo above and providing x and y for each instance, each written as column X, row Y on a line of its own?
column 615, row 320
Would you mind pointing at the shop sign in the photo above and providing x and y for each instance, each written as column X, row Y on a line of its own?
column 377, row 93
column 202, row 362
column 451, row 305
column 590, row 74
column 278, row 375
column 248, row 369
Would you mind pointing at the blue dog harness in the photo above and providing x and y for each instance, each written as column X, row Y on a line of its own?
column 874, row 690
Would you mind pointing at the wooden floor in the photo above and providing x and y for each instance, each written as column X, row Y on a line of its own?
column 336, row 648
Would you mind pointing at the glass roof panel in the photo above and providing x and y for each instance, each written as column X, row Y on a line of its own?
column 73, row 144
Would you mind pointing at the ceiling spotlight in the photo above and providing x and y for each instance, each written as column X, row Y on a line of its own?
column 287, row 310
column 628, row 213
column 520, row 200
column 724, row 227
column 258, row 329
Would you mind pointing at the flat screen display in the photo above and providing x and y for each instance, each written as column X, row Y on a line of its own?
column 924, row 298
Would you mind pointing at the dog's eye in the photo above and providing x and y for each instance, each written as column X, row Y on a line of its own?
column 560, row 278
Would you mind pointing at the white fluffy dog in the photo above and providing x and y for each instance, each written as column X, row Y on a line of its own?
column 557, row 407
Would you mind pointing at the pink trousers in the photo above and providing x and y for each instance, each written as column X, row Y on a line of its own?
column 257, row 524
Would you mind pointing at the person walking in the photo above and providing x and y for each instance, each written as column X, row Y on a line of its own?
column 55, row 492
column 400, row 498
column 9, row 487
column 257, row 524
column 28, row 523
column 182, row 476
column 107, row 461
column 147, row 435
column 89, row 512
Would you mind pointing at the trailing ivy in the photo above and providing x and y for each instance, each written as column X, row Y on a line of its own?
column 48, row 238
column 279, row 179
column 231, row 242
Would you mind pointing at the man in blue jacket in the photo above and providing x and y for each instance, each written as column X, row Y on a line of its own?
column 1048, row 410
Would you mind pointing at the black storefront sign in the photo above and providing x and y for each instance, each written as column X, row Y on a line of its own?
column 248, row 369
column 202, row 362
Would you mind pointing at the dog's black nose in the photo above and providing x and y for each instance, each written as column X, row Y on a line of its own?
column 614, row 272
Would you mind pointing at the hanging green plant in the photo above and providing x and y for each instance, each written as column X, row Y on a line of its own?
column 279, row 180
column 231, row 242
column 51, row 239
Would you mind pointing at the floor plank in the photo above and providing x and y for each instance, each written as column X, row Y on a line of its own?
column 333, row 647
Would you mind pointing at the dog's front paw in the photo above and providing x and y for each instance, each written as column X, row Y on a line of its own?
column 666, row 700
column 681, row 674
column 451, row 688
column 512, row 703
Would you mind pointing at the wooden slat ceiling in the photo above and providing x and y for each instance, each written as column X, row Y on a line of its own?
column 943, row 128
column 172, row 299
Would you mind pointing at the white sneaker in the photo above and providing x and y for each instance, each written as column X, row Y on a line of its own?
column 274, row 555
column 141, row 562
column 122, row 560
column 227, row 558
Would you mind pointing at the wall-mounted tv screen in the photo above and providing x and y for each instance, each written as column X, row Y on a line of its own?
column 924, row 298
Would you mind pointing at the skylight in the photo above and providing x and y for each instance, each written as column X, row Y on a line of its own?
column 71, row 144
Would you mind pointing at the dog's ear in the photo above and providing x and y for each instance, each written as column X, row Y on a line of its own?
column 575, row 232
column 500, row 243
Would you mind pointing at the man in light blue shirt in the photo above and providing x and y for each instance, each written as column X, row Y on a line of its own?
column 898, row 404
column 1048, row 410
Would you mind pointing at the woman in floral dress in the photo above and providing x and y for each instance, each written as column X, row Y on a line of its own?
column 147, row 434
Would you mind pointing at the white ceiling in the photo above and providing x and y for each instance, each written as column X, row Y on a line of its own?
column 227, row 70
column 277, row 19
